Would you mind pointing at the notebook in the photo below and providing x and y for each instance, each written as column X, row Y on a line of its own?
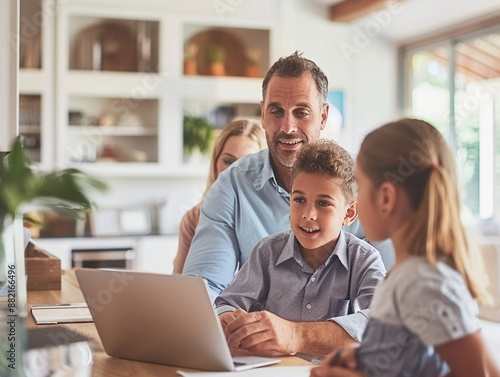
column 163, row 319
column 49, row 314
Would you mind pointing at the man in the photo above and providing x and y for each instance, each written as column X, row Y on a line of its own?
column 251, row 200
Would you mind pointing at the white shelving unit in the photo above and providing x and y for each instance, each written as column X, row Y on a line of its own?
column 36, row 81
column 84, row 104
column 108, row 94
column 154, row 101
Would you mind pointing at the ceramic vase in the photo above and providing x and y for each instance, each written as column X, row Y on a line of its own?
column 217, row 69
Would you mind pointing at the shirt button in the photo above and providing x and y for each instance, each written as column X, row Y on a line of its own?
column 313, row 279
column 308, row 306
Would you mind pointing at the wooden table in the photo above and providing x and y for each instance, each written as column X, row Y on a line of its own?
column 105, row 365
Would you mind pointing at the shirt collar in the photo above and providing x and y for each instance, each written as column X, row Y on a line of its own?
column 340, row 251
column 291, row 250
column 267, row 171
column 292, row 246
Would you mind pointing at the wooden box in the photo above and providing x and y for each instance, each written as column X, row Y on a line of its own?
column 43, row 269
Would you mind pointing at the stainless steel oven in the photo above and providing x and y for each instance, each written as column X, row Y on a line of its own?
column 122, row 258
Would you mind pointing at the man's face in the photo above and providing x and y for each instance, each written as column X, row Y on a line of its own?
column 292, row 115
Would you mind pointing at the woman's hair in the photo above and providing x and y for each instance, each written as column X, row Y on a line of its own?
column 246, row 127
column 413, row 154
column 328, row 158
column 295, row 66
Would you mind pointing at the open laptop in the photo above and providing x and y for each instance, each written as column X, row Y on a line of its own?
column 163, row 319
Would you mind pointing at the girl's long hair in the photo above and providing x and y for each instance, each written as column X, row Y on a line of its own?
column 413, row 154
column 246, row 127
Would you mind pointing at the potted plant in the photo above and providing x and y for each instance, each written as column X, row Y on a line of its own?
column 215, row 56
column 198, row 134
column 252, row 68
column 190, row 66
column 21, row 188
column 64, row 192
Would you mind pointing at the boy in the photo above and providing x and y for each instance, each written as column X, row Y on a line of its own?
column 313, row 272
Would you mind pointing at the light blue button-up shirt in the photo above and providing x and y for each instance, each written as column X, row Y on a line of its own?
column 244, row 205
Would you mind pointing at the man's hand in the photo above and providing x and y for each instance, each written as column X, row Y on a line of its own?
column 265, row 334
column 225, row 318
column 261, row 333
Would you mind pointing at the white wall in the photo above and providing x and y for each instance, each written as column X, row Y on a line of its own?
column 178, row 194
column 8, row 72
column 374, row 89
column 356, row 59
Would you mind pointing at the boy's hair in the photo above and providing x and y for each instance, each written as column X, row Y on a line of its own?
column 413, row 154
column 328, row 158
column 295, row 66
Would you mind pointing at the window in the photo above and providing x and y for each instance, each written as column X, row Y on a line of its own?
column 454, row 83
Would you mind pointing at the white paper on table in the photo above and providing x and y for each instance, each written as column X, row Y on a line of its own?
column 45, row 314
column 295, row 371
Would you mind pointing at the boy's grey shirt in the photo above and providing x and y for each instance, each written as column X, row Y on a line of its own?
column 276, row 278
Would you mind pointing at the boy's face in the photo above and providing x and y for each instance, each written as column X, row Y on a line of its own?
column 318, row 209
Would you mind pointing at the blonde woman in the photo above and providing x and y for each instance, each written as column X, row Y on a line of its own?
column 237, row 139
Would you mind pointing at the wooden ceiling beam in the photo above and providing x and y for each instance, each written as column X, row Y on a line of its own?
column 349, row 10
column 443, row 61
column 479, row 56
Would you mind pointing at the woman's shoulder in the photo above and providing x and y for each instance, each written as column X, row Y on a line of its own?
column 191, row 217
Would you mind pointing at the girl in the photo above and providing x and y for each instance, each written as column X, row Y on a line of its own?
column 424, row 314
column 237, row 139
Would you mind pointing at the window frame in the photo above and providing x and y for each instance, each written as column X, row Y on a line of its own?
column 449, row 39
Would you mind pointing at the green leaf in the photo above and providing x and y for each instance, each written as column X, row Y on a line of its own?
column 64, row 191
column 197, row 133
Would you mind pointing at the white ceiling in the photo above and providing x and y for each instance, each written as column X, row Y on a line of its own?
column 420, row 17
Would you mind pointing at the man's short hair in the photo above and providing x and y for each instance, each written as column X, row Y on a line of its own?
column 295, row 66
column 328, row 158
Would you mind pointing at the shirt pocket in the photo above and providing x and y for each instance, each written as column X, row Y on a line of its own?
column 338, row 307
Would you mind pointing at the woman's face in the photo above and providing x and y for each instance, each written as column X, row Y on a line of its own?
column 235, row 148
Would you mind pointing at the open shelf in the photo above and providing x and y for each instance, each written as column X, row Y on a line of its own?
column 225, row 51
column 30, row 125
column 113, row 44
column 113, row 130
column 31, row 34
column 120, row 90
